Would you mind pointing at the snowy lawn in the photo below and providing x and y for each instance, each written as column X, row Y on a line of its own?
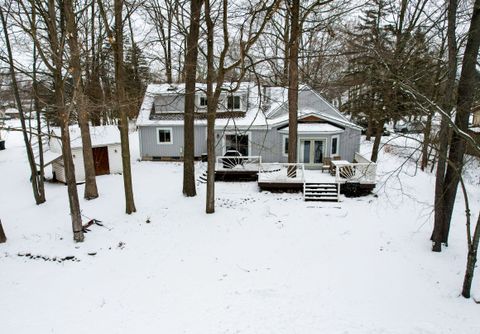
column 263, row 263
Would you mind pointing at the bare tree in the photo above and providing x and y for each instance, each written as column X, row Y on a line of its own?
column 293, row 80
column 439, row 231
column 117, row 44
column 36, row 178
column 91, row 191
column 466, row 92
column 259, row 15
column 190, row 87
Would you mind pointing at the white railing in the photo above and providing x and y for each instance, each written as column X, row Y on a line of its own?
column 246, row 163
column 281, row 172
column 363, row 171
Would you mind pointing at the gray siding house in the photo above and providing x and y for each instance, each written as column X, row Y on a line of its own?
column 250, row 119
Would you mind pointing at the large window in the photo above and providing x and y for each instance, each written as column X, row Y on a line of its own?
column 164, row 136
column 334, row 149
column 233, row 102
column 238, row 143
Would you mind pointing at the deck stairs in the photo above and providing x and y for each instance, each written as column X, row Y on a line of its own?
column 321, row 192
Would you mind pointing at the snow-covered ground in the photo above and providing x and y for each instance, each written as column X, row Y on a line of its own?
column 263, row 263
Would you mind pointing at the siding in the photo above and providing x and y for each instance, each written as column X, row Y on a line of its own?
column 149, row 146
column 269, row 144
column 115, row 158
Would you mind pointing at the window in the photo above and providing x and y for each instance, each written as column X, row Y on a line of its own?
column 203, row 101
column 233, row 102
column 164, row 136
column 334, row 150
column 285, row 146
column 238, row 143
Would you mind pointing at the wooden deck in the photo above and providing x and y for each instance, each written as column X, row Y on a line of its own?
column 351, row 179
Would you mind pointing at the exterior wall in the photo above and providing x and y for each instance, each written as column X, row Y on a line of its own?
column 114, row 162
column 149, row 146
column 309, row 100
column 115, row 159
column 269, row 144
column 176, row 103
column 58, row 169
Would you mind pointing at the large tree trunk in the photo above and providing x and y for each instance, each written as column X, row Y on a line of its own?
column 378, row 139
column 78, row 100
column 36, row 179
column 122, row 105
column 293, row 81
column 438, row 234
column 189, row 114
column 466, row 92
column 211, row 113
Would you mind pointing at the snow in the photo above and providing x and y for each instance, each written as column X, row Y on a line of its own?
column 309, row 128
column 263, row 263
column 100, row 135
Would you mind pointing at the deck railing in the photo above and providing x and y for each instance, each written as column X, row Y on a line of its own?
column 281, row 172
column 247, row 163
column 363, row 171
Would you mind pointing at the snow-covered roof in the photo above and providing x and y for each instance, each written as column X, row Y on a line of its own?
column 264, row 108
column 100, row 135
column 315, row 128
column 11, row 111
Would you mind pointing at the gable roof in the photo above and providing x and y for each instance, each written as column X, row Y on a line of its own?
column 266, row 107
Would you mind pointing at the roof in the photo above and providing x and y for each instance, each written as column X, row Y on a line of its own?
column 100, row 135
column 11, row 111
column 315, row 128
column 265, row 108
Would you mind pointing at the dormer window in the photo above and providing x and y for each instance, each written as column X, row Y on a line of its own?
column 203, row 101
column 233, row 102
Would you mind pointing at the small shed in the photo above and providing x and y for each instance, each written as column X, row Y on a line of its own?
column 106, row 152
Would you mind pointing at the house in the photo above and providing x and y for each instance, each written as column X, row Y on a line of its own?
column 106, row 152
column 252, row 120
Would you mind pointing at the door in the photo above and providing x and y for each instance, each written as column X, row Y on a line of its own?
column 100, row 159
column 311, row 151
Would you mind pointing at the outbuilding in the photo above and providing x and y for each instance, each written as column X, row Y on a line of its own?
column 106, row 152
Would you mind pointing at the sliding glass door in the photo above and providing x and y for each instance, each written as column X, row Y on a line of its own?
column 312, row 151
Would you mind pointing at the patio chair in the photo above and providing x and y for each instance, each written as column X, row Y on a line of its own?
column 327, row 164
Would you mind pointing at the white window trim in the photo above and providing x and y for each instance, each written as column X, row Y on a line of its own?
column 226, row 133
column 199, row 98
column 299, row 146
column 158, row 136
column 234, row 109
column 283, row 145
column 338, row 146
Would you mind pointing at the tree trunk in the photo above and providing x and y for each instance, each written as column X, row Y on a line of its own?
column 117, row 45
column 122, row 105
column 189, row 114
column 466, row 91
column 211, row 113
column 3, row 237
column 438, row 234
column 426, row 142
column 471, row 260
column 293, row 81
column 37, row 184
column 78, row 100
column 377, row 141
